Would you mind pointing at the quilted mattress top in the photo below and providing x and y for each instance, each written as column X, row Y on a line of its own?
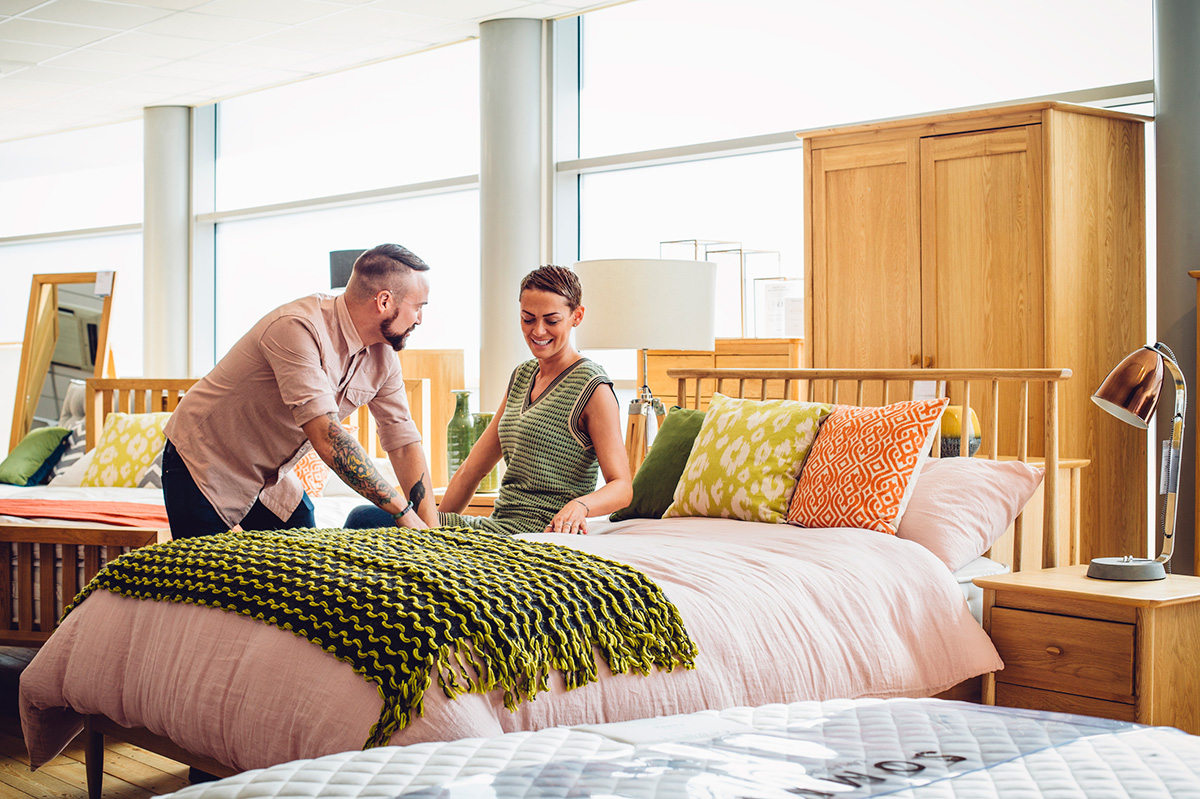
column 925, row 748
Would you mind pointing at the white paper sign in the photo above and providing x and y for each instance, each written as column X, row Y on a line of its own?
column 104, row 283
column 924, row 389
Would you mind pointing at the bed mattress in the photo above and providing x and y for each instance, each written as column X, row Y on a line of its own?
column 927, row 748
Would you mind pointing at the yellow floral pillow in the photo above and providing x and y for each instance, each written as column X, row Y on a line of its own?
column 746, row 459
column 127, row 447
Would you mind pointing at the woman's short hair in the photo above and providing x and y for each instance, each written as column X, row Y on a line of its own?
column 557, row 280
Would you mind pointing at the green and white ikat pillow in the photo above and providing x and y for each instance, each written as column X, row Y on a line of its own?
column 747, row 458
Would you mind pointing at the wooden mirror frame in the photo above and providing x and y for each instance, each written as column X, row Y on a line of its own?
column 37, row 350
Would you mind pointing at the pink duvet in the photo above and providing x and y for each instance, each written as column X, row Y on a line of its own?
column 779, row 614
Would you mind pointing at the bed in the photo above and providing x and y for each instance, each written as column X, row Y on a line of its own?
column 918, row 748
column 116, row 665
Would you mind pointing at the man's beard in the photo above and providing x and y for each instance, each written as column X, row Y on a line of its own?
column 394, row 339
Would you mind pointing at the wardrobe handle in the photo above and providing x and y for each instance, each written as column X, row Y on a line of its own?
column 928, row 361
column 916, row 360
column 1053, row 650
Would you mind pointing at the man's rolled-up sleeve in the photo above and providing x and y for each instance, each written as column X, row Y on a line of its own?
column 291, row 347
column 392, row 416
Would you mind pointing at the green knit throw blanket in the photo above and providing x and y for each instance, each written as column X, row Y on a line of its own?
column 479, row 611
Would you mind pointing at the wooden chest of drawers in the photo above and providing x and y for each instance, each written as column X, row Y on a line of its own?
column 1121, row 650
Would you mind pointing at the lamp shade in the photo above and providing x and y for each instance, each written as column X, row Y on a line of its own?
column 1131, row 390
column 647, row 303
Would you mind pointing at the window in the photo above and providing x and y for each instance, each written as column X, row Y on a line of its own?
column 404, row 121
column 754, row 200
column 659, row 73
column 71, row 181
column 263, row 263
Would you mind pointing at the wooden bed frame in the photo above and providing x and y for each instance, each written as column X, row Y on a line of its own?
column 80, row 545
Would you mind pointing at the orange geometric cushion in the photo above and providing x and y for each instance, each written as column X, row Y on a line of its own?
column 862, row 466
column 312, row 471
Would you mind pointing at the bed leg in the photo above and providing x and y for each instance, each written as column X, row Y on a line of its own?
column 94, row 760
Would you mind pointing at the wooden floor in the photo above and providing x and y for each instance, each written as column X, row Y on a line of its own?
column 129, row 771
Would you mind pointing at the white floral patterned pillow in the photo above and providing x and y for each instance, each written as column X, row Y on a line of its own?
column 747, row 458
column 127, row 447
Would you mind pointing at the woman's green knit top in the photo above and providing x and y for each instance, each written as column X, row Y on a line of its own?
column 548, row 456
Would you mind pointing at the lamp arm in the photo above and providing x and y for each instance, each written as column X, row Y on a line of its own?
column 1176, row 452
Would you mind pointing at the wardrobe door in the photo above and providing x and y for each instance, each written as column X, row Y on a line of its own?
column 982, row 276
column 865, row 255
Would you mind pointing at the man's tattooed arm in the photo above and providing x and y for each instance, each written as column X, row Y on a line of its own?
column 348, row 459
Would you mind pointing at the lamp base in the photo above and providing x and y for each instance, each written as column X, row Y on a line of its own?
column 1126, row 568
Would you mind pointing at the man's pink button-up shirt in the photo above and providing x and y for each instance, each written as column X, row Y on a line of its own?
column 239, row 428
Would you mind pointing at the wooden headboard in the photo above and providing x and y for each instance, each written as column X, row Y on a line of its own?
column 1008, row 420
column 130, row 395
column 151, row 394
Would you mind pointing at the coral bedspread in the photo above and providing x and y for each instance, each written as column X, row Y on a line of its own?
column 130, row 514
column 780, row 614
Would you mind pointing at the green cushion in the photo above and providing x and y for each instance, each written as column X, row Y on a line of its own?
column 32, row 459
column 655, row 481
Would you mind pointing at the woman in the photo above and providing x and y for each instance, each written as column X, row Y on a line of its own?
column 559, row 420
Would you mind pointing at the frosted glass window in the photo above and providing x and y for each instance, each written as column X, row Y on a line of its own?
column 69, row 181
column 263, row 263
column 754, row 200
column 121, row 254
column 403, row 121
column 659, row 73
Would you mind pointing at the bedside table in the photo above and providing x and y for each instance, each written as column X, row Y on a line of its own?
column 1120, row 650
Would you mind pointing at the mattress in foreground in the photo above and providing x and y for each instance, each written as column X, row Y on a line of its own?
column 779, row 613
column 918, row 748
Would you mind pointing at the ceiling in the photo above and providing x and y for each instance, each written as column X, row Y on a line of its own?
column 67, row 64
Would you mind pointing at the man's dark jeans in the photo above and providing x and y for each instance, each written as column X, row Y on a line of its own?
column 191, row 514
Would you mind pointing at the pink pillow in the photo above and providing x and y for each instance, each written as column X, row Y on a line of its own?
column 960, row 506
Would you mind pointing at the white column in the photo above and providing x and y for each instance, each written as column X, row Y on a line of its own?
column 165, row 240
column 1176, row 120
column 510, row 175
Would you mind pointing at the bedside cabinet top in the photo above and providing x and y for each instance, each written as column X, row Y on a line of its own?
column 1072, row 581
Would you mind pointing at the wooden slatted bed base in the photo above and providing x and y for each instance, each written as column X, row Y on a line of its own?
column 79, row 550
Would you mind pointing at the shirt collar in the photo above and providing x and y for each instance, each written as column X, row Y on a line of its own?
column 354, row 342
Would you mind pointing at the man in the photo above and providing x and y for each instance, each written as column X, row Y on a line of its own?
column 286, row 385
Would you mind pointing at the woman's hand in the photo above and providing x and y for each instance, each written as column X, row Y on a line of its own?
column 572, row 519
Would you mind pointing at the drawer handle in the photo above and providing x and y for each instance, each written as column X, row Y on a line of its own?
column 1053, row 650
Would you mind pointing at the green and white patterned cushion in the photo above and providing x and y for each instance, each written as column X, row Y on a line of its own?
column 126, row 449
column 747, row 458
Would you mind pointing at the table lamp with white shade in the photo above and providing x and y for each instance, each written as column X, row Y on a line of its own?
column 1130, row 393
column 643, row 303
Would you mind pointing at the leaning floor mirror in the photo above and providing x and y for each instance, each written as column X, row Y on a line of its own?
column 66, row 339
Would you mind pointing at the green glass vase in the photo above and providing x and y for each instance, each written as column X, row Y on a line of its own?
column 460, row 433
column 491, row 480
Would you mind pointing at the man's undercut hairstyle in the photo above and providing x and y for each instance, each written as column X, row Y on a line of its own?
column 383, row 268
column 557, row 280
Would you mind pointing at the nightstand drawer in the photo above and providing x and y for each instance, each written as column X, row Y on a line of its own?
column 1085, row 657
column 1010, row 695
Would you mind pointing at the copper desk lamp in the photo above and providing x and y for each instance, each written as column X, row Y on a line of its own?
column 1130, row 393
